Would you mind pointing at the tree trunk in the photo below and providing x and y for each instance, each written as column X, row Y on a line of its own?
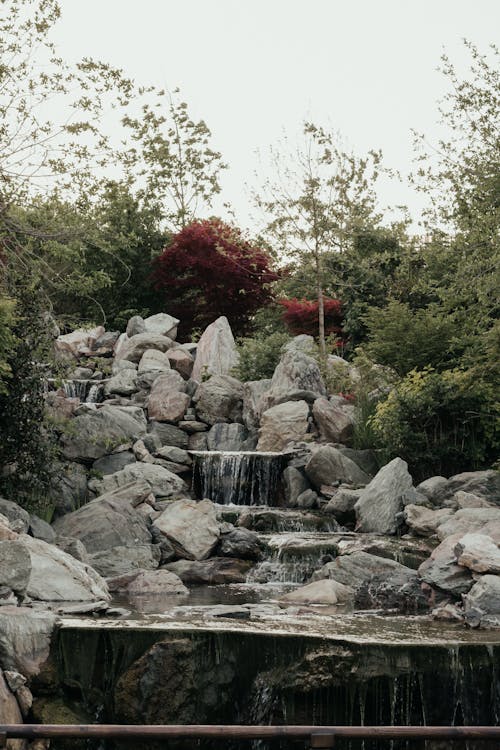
column 321, row 307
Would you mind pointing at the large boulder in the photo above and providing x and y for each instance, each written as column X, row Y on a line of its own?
column 283, row 424
column 9, row 712
column 240, row 543
column 162, row 324
column 297, row 377
column 98, row 432
column 162, row 482
column 79, row 342
column 381, row 502
column 399, row 590
column 326, row 591
column 112, row 463
column 57, row 576
column 423, row 521
column 15, row 565
column 123, row 383
column 442, row 571
column 328, row 466
column 295, row 484
column 25, row 635
column 191, row 527
column 134, row 348
column 68, row 489
column 484, row 596
column 341, row 505
column 153, row 360
column 357, row 568
column 219, row 399
column 117, row 561
column 167, row 434
column 216, row 353
column 468, row 520
column 213, row 572
column 253, row 392
column 334, row 419
column 181, row 361
column 483, row 483
column 18, row 518
column 479, row 553
column 168, row 401
column 103, row 523
column 227, row 437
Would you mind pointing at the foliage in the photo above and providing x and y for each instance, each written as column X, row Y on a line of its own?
column 404, row 339
column 26, row 447
column 301, row 316
column 314, row 207
column 173, row 158
column 441, row 423
column 7, row 342
column 209, row 269
column 259, row 356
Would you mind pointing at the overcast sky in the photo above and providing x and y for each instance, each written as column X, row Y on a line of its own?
column 251, row 68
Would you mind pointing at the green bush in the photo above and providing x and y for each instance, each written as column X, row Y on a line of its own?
column 440, row 423
column 259, row 356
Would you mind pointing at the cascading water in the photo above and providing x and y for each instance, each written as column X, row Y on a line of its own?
column 293, row 557
column 238, row 477
column 86, row 391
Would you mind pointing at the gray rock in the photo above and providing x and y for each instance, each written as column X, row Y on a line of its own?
column 191, row 527
column 334, row 419
column 484, row 596
column 219, row 399
column 168, row 401
column 154, row 360
column 295, row 484
column 468, row 520
column 253, row 391
column 434, row 488
column 162, row 324
column 282, row 425
column 176, row 455
column 381, row 501
column 181, row 361
column 400, row 590
column 441, row 569
column 9, row 710
column 216, row 353
column 198, row 442
column 167, row 434
column 123, row 383
column 227, row 437
column 423, row 521
column 135, row 325
column 104, row 523
column 240, row 543
column 73, row 547
column 17, row 516
column 134, row 348
column 104, row 345
column 357, row 568
column 341, row 505
column 162, row 482
column 96, row 434
column 479, row 553
column 326, row 591
column 296, row 378
column 40, row 529
column 366, row 459
column 116, row 561
column 483, row 483
column 307, row 499
column 122, row 364
column 216, row 571
column 15, row 565
column 113, row 463
column 328, row 465
column 25, row 636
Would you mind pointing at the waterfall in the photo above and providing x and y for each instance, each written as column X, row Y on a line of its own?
column 293, row 557
column 86, row 391
column 237, row 477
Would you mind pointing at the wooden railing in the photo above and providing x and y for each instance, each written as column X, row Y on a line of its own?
column 314, row 736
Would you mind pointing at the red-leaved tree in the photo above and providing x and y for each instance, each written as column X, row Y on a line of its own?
column 301, row 316
column 209, row 269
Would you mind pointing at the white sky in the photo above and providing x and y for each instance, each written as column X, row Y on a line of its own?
column 251, row 68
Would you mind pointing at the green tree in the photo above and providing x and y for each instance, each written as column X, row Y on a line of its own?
column 319, row 196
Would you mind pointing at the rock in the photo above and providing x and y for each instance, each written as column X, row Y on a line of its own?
column 434, row 489
column 214, row 572
column 167, row 434
column 227, row 437
column 484, row 596
column 105, row 344
column 9, row 712
column 162, row 324
column 135, row 326
column 181, row 361
column 219, row 399
column 296, row 378
column 116, row 561
column 357, row 568
column 154, row 360
column 307, row 499
column 441, row 569
column 191, row 527
column 198, row 442
column 253, row 392
column 366, row 459
column 283, row 424
column 216, row 353
column 468, row 520
column 151, row 582
column 15, row 565
column 325, row 591
column 104, row 523
column 328, row 465
column 40, row 529
column 77, row 342
column 341, row 505
column 380, row 502
column 57, row 576
column 483, row 483
column 176, row 455
column 424, row 522
column 192, row 426
column 295, row 484
column 241, row 543
column 68, row 488
column 468, row 500
column 25, row 636
column 399, row 590
column 162, row 482
column 122, row 364
column 95, row 434
column 134, row 348
column 167, row 401
column 123, row 384
column 17, row 516
column 334, row 419
column 478, row 553
column 73, row 547
column 113, row 463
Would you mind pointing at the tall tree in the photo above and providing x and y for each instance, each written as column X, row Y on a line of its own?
column 319, row 196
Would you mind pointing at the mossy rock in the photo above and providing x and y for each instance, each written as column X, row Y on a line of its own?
column 53, row 710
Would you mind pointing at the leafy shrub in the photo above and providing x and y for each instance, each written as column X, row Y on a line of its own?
column 259, row 356
column 301, row 316
column 209, row 269
column 440, row 423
